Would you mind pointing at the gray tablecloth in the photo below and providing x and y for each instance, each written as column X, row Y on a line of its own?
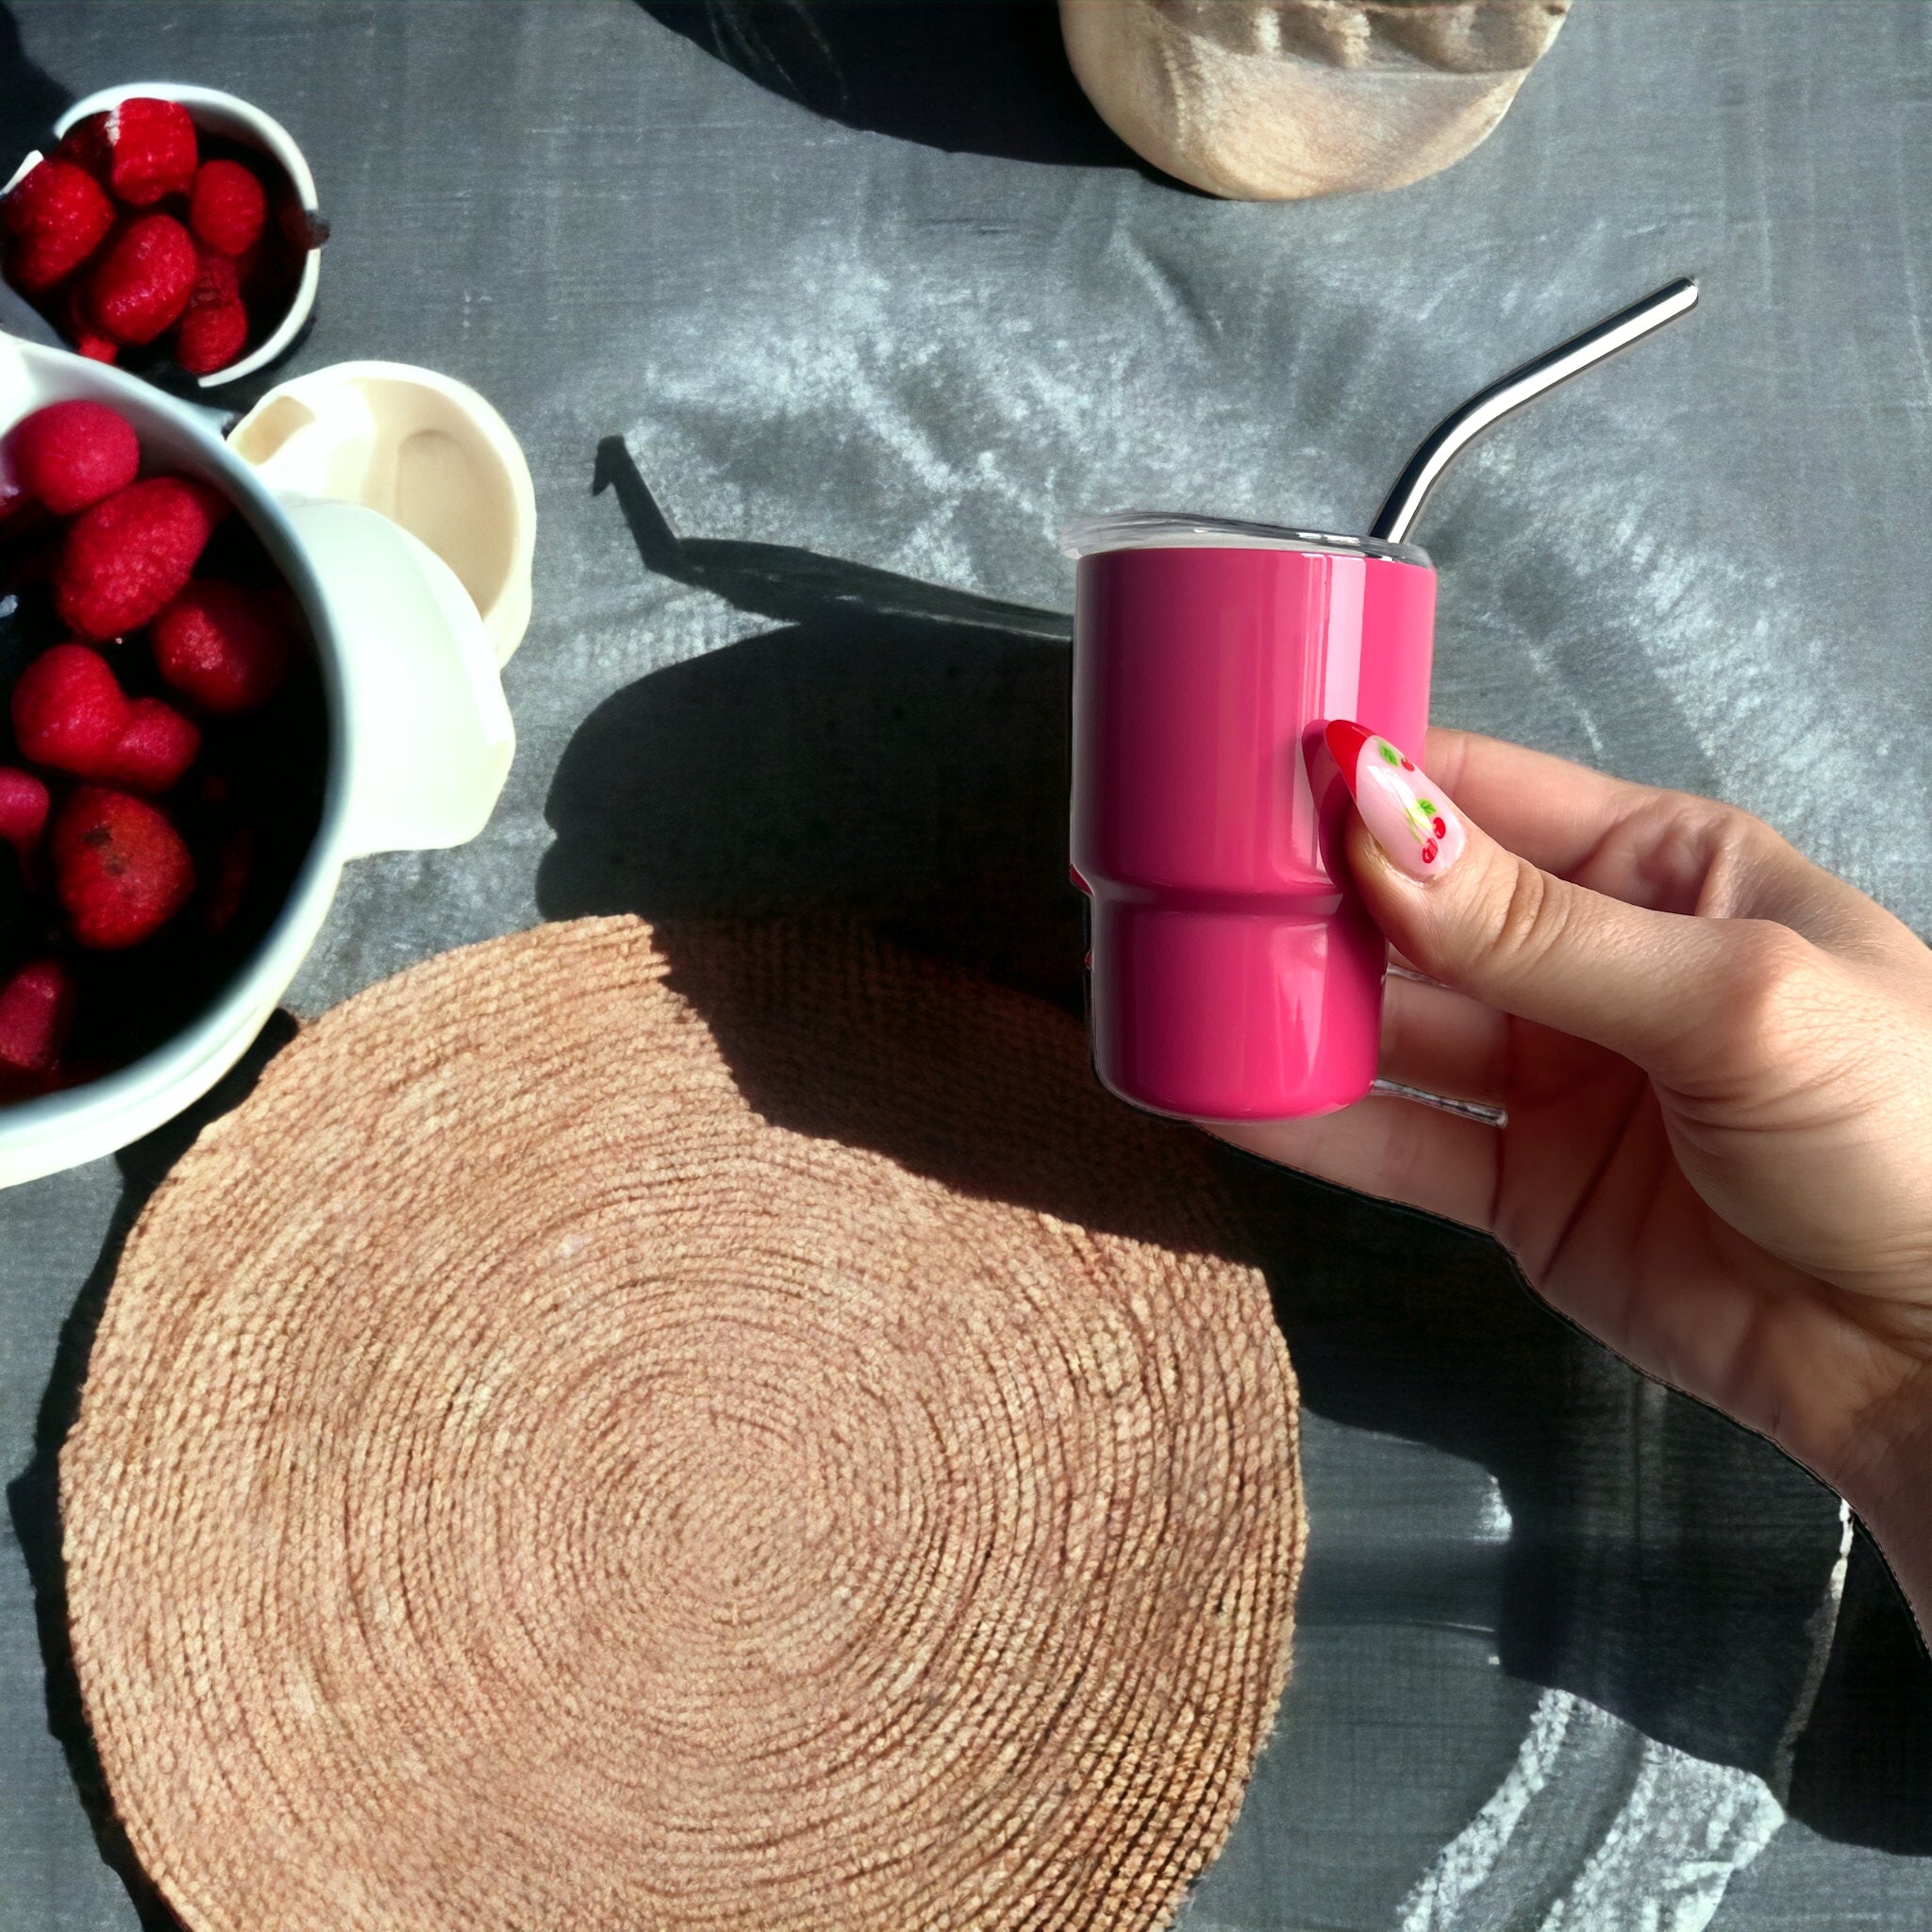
column 1572, row 1651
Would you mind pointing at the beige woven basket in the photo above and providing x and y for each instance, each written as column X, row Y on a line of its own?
column 718, row 1429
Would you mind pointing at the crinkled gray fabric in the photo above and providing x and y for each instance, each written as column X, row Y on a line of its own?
column 1566, row 1651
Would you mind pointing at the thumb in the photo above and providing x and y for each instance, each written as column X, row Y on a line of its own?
column 1651, row 985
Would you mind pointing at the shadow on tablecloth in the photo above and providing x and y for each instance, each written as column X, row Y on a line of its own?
column 898, row 752
column 971, row 76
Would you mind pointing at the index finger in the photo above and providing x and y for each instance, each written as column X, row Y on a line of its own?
column 1550, row 811
column 1667, row 851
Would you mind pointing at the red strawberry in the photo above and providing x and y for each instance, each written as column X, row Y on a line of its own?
column 23, row 811
column 88, row 341
column 142, row 149
column 210, row 338
column 36, row 1016
column 71, row 454
column 127, row 556
column 214, row 329
column 85, row 146
column 226, row 206
column 56, row 216
column 69, row 711
column 225, row 647
column 252, row 270
column 224, row 885
column 217, row 281
column 121, row 871
column 155, row 749
column 143, row 280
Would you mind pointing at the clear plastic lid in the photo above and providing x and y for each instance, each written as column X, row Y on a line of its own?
column 1153, row 530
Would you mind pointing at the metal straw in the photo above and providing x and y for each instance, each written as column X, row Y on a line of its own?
column 1403, row 504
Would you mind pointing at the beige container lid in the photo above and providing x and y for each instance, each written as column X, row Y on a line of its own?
column 425, row 451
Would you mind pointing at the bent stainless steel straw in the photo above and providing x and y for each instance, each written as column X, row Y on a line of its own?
column 1458, row 430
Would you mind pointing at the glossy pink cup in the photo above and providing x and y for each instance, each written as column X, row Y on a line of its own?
column 1233, row 974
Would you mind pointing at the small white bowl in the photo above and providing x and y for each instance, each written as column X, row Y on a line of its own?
column 235, row 120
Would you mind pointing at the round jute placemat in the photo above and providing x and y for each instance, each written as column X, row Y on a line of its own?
column 674, row 1428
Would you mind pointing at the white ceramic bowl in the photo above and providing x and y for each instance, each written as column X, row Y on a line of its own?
column 239, row 121
column 420, row 740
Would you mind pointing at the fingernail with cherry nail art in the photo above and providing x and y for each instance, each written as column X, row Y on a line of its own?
column 1406, row 816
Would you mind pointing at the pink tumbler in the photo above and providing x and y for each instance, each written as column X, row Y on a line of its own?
column 1233, row 972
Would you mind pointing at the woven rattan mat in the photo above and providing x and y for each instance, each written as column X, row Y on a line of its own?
column 723, row 1427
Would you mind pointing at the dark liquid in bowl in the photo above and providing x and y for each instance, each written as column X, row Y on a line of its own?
column 259, row 779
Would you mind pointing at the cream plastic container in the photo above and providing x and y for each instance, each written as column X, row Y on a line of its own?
column 423, row 449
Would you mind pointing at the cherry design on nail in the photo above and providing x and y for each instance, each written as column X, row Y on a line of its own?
column 1421, row 836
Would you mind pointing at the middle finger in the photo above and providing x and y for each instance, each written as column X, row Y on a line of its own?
column 1443, row 1042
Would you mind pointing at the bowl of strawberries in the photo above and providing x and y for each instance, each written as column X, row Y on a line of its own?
column 173, row 231
column 211, row 698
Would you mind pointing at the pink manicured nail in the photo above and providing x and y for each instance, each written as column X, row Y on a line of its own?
column 1408, row 818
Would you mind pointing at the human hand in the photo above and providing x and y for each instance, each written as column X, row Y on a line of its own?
column 1715, row 1060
